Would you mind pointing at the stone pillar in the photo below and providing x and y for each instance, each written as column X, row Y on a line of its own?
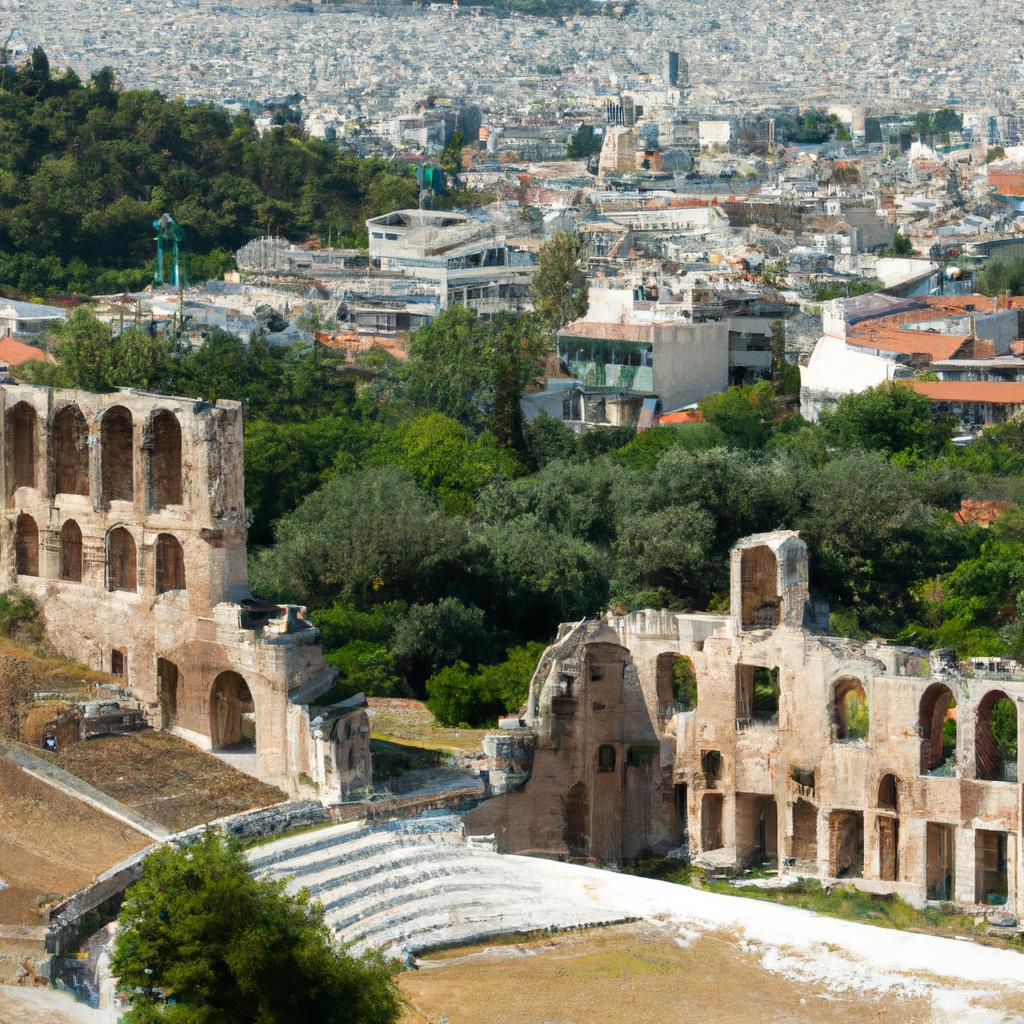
column 49, row 553
column 964, row 866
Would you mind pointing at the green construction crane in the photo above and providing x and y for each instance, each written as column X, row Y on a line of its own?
column 168, row 230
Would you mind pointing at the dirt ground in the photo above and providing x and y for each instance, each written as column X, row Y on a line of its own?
column 410, row 722
column 51, row 844
column 165, row 778
column 636, row 974
column 43, row 1006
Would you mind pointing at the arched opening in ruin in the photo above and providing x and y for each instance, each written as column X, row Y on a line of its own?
column 117, row 455
column 71, row 552
column 676, row 683
column 70, row 451
column 888, row 793
column 167, row 675
column 606, row 758
column 995, row 738
column 165, row 460
column 122, row 561
column 232, row 713
column 888, row 828
column 756, row 828
column 850, row 710
column 21, row 447
column 759, row 589
column 937, row 726
column 26, row 546
column 170, row 564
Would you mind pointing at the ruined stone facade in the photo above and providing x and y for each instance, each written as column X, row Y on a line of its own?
column 124, row 518
column 829, row 757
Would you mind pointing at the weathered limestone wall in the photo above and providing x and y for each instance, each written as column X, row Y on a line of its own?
column 787, row 783
column 124, row 518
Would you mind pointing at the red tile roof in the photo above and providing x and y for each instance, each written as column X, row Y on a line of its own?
column 982, row 391
column 682, row 416
column 981, row 512
column 14, row 353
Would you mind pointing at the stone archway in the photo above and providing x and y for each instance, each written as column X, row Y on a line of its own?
column 232, row 725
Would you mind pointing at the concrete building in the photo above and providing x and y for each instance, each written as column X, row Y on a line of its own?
column 124, row 519
column 829, row 757
column 627, row 359
column 469, row 260
column 27, row 320
column 966, row 339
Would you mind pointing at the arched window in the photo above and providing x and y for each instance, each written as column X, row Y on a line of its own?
column 71, row 451
column 117, row 455
column 71, row 552
column 170, row 564
column 850, row 710
column 937, row 725
column 122, row 573
column 26, row 546
column 995, row 738
column 232, row 721
column 606, row 758
column 21, row 447
column 888, row 793
column 165, row 467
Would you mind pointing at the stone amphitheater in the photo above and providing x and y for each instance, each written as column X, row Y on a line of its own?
column 410, row 885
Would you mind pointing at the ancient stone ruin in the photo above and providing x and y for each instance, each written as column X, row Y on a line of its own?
column 756, row 738
column 124, row 518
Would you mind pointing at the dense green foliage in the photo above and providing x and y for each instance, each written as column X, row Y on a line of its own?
column 559, row 284
column 584, row 142
column 434, row 537
column 203, row 942
column 86, row 167
column 1002, row 275
column 825, row 291
column 811, row 127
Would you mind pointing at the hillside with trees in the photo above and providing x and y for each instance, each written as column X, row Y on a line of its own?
column 85, row 168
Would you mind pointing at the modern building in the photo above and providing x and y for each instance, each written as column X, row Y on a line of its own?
column 468, row 260
column 28, row 320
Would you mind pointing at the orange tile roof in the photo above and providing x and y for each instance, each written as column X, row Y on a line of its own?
column 682, row 416
column 983, row 391
column 14, row 353
column 981, row 512
column 877, row 334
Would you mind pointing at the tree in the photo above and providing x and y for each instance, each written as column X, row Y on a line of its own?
column 742, row 414
column 230, row 948
column 369, row 537
column 994, row 153
column 429, row 636
column 559, row 282
column 475, row 371
column 584, row 142
column 901, row 246
column 1001, row 276
column 889, row 418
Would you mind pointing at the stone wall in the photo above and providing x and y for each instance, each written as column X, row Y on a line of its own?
column 124, row 518
column 766, row 765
